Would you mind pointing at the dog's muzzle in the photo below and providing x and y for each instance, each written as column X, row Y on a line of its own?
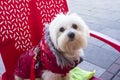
column 71, row 35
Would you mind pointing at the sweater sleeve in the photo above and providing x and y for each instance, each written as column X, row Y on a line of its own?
column 24, row 64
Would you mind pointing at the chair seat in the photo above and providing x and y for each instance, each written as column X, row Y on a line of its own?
column 94, row 78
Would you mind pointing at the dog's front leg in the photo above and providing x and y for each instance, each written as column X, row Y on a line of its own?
column 48, row 75
column 68, row 76
column 18, row 78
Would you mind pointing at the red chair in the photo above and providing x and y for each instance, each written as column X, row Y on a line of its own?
column 21, row 25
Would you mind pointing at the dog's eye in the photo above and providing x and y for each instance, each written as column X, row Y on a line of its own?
column 74, row 26
column 61, row 29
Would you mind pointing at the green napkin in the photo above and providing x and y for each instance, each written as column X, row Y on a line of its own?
column 79, row 74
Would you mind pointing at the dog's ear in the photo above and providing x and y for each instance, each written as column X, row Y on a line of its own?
column 88, row 33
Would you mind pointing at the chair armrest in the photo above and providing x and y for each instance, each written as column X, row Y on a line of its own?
column 108, row 40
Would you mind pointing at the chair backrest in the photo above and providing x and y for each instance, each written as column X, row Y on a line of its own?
column 21, row 25
column 108, row 40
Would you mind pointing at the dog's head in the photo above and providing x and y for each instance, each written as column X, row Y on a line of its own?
column 68, row 32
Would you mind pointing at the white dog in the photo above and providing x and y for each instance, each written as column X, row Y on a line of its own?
column 60, row 49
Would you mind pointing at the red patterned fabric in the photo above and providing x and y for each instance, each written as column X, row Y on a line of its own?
column 32, row 70
column 24, row 64
column 47, row 62
column 21, row 25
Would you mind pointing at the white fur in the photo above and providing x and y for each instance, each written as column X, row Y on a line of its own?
column 71, row 49
column 48, row 75
column 61, row 40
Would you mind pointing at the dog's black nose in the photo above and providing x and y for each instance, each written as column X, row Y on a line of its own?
column 71, row 35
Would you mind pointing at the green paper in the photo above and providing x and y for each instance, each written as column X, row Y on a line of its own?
column 79, row 74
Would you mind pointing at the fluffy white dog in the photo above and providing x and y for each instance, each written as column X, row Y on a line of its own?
column 69, row 34
column 61, row 48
